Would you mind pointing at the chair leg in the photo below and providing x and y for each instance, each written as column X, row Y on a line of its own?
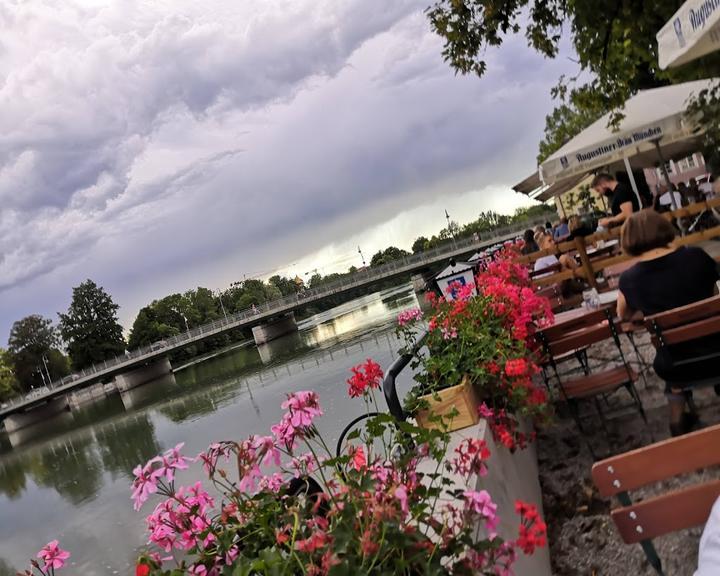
column 690, row 401
column 652, row 556
column 603, row 422
column 641, row 361
column 572, row 405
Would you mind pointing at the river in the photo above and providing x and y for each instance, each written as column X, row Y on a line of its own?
column 69, row 478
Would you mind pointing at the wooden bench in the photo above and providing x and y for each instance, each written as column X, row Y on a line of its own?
column 669, row 512
column 686, row 324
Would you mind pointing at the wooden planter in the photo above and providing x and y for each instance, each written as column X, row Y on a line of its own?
column 461, row 398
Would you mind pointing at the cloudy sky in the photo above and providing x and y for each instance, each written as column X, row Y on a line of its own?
column 155, row 146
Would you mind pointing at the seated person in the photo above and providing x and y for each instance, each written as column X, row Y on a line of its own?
column 694, row 193
column 666, row 277
column 664, row 202
column 545, row 241
column 562, row 231
column 529, row 245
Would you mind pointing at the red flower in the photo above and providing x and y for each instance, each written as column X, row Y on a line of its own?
column 142, row 570
column 516, row 367
column 365, row 377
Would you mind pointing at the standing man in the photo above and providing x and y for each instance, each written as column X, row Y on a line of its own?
column 623, row 201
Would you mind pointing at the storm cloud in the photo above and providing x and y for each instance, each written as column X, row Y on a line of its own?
column 155, row 146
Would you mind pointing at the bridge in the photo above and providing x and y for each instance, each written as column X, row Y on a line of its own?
column 269, row 320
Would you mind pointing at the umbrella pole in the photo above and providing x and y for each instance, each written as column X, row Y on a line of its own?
column 633, row 184
column 562, row 206
column 665, row 174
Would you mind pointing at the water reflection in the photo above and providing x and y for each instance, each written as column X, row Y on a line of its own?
column 70, row 479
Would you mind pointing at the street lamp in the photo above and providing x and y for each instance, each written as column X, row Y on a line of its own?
column 219, row 293
column 361, row 256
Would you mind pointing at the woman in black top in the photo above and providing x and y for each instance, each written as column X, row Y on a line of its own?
column 665, row 278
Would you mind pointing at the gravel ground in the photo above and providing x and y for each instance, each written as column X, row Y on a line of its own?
column 583, row 538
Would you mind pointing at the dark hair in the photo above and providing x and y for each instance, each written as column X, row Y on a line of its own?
column 600, row 178
column 645, row 231
column 529, row 235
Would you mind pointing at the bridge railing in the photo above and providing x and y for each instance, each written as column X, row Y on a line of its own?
column 361, row 277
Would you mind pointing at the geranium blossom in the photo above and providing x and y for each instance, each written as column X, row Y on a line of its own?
column 53, row 556
column 409, row 316
column 366, row 377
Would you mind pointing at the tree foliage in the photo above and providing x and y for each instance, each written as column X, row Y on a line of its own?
column 614, row 42
column 8, row 383
column 32, row 345
column 90, row 328
column 388, row 255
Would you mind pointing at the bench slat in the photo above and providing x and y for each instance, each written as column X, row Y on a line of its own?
column 670, row 512
column 658, row 461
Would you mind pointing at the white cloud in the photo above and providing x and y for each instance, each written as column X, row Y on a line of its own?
column 155, row 146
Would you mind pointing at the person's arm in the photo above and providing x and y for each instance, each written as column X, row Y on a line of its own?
column 626, row 210
column 624, row 311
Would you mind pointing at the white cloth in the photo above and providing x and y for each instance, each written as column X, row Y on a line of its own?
column 665, row 199
column 709, row 551
column 545, row 262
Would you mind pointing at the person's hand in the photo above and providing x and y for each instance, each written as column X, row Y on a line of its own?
column 604, row 222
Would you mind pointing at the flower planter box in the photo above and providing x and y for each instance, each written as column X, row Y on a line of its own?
column 461, row 398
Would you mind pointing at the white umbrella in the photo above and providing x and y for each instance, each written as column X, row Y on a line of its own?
column 693, row 31
column 652, row 117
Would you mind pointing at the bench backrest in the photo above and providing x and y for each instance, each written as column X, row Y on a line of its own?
column 686, row 323
column 669, row 512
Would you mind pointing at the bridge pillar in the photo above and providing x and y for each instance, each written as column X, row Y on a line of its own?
column 40, row 413
column 274, row 328
column 139, row 376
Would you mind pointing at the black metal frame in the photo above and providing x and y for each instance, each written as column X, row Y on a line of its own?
column 389, row 386
column 573, row 402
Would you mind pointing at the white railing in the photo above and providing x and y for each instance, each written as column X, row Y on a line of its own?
column 268, row 309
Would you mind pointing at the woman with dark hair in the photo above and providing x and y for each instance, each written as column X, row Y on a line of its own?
column 667, row 277
column 529, row 244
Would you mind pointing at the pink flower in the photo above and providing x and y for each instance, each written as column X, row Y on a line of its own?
column 402, row 495
column 53, row 556
column 210, row 457
column 273, row 483
column 145, row 483
column 358, row 459
column 409, row 316
column 481, row 503
column 303, row 408
column 266, row 447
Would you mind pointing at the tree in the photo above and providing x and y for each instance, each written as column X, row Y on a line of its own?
column 614, row 42
column 90, row 328
column 8, row 383
column 419, row 244
column 388, row 255
column 286, row 286
column 31, row 340
column 148, row 328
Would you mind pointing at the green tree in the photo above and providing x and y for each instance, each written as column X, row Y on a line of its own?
column 614, row 42
column 420, row 244
column 8, row 383
column 387, row 255
column 31, row 340
column 149, row 328
column 90, row 328
column 286, row 286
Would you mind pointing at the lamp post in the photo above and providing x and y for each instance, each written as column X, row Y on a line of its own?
column 222, row 306
column 361, row 256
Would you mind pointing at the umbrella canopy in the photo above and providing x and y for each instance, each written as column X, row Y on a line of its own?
column 650, row 115
column 693, row 31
